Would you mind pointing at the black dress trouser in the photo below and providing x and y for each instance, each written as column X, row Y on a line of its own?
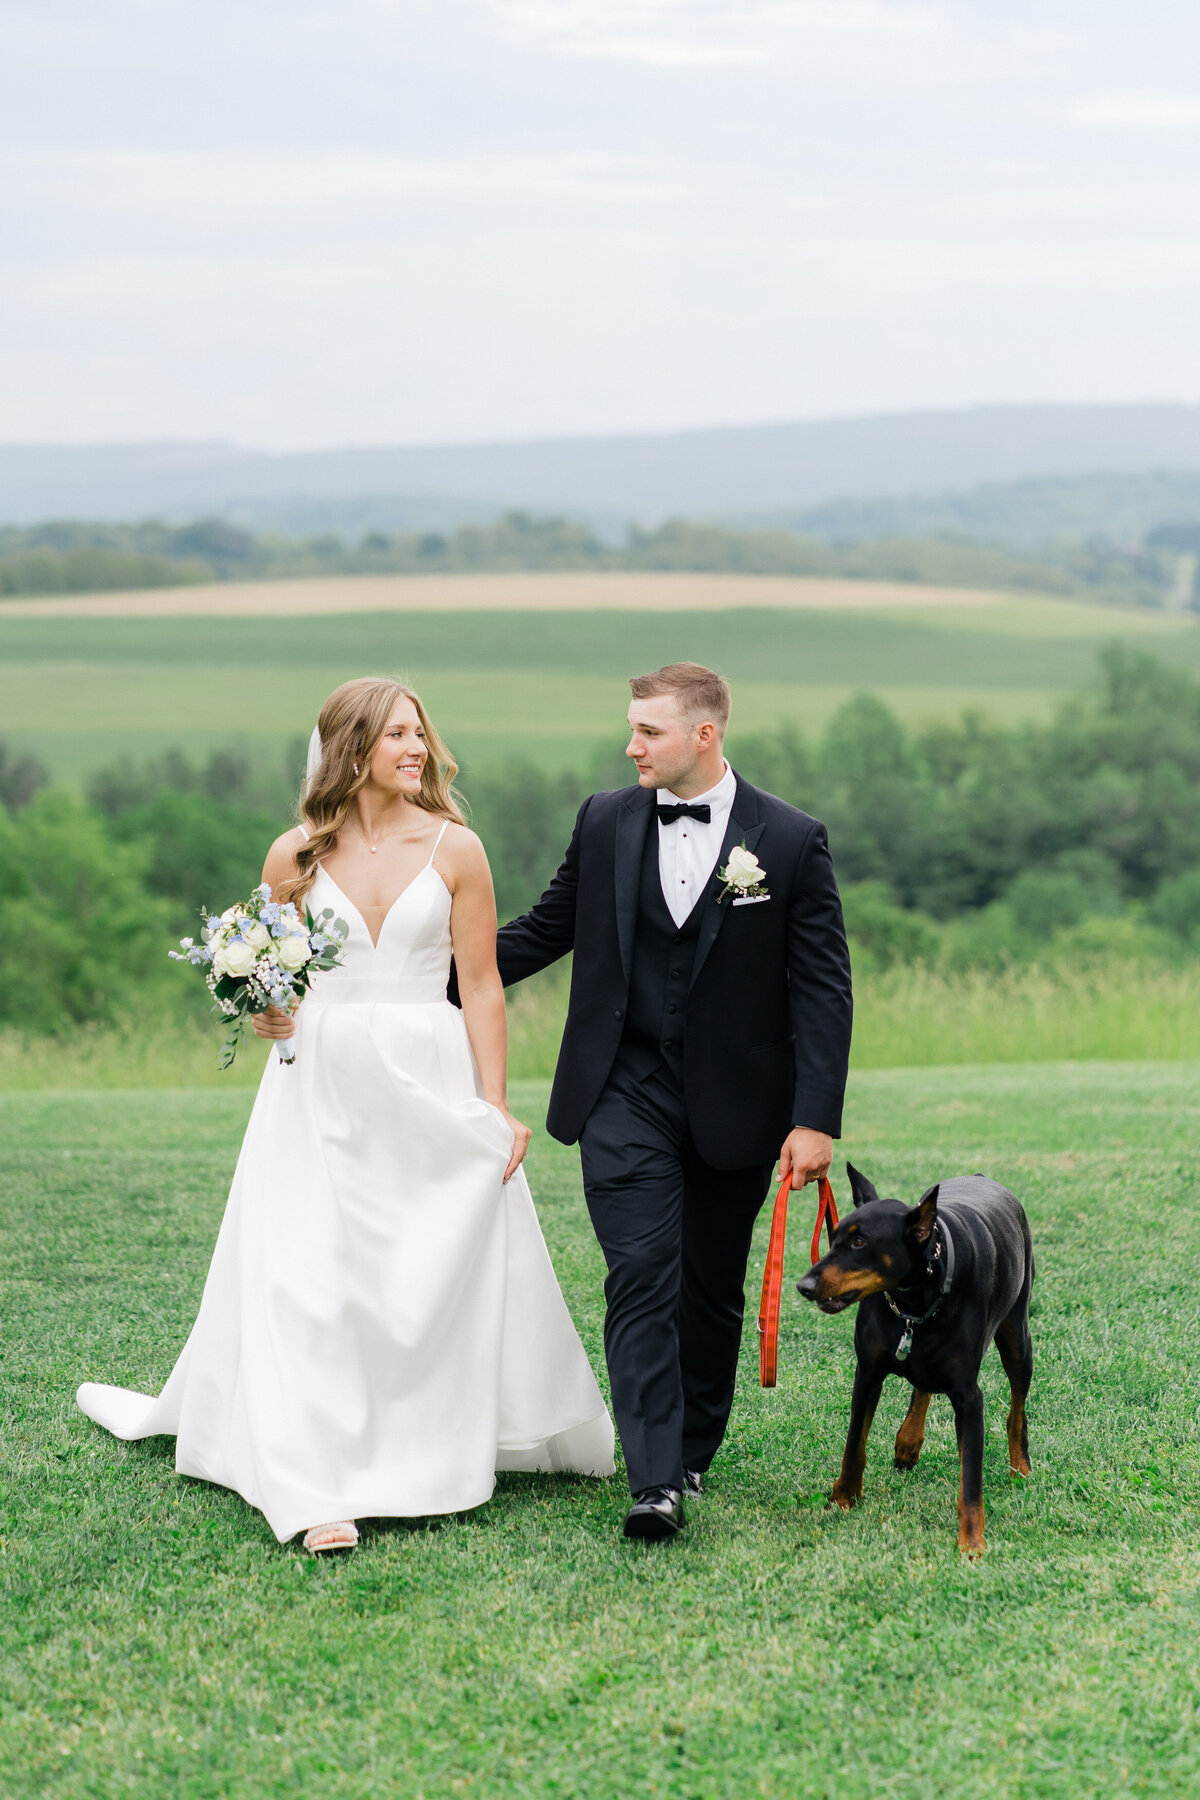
column 675, row 1233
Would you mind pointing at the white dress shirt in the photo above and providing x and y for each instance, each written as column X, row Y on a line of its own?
column 689, row 849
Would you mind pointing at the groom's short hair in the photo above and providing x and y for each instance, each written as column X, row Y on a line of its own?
column 701, row 693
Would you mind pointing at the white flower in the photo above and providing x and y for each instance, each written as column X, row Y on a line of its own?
column 236, row 958
column 743, row 869
column 294, row 951
column 256, row 934
column 231, row 915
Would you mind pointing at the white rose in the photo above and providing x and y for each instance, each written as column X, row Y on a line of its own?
column 293, row 951
column 231, row 915
column 743, row 868
column 236, row 958
column 257, row 934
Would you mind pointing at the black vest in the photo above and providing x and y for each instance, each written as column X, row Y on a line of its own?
column 663, row 957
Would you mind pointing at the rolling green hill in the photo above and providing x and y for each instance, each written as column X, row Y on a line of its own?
column 78, row 691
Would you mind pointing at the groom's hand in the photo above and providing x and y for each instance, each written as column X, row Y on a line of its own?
column 806, row 1155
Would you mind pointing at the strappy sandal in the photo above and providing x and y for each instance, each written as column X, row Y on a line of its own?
column 341, row 1535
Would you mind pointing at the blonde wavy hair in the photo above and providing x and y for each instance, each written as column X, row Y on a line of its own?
column 352, row 723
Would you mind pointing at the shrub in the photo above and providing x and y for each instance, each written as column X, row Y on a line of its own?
column 1043, row 900
column 20, row 778
column 197, row 852
column 1176, row 906
column 882, row 933
column 79, row 931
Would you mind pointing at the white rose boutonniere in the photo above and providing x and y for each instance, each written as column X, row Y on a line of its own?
column 742, row 875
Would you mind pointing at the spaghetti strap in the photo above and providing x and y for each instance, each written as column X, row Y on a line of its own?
column 441, row 834
column 304, row 829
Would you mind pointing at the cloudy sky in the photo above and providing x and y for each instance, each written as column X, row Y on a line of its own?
column 290, row 223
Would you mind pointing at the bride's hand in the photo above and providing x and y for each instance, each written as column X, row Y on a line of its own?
column 521, row 1136
column 274, row 1023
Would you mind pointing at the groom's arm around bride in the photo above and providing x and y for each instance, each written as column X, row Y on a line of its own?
column 707, row 1038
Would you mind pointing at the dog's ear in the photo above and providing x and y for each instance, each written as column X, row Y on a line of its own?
column 921, row 1219
column 864, row 1191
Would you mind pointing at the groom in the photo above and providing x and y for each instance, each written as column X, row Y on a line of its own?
column 706, row 1039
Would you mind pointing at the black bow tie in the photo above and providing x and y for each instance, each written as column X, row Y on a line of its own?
column 667, row 815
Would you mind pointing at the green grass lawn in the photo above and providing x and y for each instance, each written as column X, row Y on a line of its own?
column 80, row 692
column 156, row 1640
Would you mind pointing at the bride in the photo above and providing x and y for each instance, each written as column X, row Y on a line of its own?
column 381, row 1328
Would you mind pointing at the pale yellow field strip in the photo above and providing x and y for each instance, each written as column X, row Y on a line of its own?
column 544, row 591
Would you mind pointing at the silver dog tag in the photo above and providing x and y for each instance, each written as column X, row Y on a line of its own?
column 905, row 1344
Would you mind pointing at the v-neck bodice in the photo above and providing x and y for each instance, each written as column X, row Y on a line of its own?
column 410, row 964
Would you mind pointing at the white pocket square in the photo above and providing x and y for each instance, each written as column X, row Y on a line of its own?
column 752, row 900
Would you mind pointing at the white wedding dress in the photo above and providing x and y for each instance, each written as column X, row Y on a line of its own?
column 381, row 1328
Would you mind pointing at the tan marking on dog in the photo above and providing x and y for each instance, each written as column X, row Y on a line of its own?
column 1018, row 1438
column 970, row 1520
column 849, row 1284
column 911, row 1434
column 847, row 1489
column 970, row 1529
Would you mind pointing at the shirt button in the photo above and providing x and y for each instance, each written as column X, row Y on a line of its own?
column 618, row 1014
column 672, row 1009
column 668, row 1043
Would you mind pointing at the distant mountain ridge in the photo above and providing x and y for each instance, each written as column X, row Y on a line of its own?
column 736, row 471
column 1021, row 515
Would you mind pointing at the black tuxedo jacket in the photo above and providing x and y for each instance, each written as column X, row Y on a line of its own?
column 767, row 1031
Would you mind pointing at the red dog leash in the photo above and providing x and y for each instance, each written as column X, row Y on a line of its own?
column 772, row 1287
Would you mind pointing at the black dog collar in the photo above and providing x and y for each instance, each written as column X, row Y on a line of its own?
column 942, row 1257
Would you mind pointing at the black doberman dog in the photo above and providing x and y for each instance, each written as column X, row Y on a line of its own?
column 937, row 1282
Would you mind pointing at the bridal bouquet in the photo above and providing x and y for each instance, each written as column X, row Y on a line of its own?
column 261, row 954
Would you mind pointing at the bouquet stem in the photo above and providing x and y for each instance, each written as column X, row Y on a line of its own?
column 287, row 1050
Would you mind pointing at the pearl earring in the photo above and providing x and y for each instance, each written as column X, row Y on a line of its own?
column 356, row 768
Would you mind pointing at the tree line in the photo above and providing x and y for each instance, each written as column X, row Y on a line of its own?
column 73, row 556
column 963, row 844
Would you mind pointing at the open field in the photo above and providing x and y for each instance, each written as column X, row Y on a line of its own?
column 549, row 684
column 524, row 591
column 156, row 1641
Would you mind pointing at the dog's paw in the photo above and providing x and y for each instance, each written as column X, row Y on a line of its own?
column 970, row 1530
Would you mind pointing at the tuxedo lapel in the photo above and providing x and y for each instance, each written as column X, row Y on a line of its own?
column 634, row 817
column 744, row 826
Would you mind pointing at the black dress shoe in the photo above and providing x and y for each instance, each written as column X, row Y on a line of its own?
column 693, row 1483
column 656, row 1513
